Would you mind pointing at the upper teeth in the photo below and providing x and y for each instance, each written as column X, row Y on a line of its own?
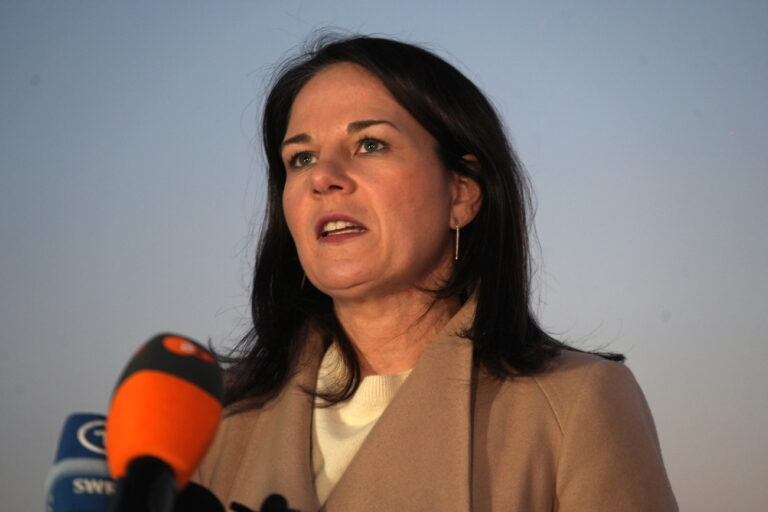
column 336, row 225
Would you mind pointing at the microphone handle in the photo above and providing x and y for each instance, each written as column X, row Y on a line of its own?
column 148, row 486
column 273, row 503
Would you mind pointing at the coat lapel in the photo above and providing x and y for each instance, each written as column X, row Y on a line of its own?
column 277, row 457
column 417, row 456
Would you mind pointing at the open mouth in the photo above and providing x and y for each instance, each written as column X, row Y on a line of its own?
column 339, row 227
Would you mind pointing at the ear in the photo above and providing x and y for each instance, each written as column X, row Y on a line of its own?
column 467, row 196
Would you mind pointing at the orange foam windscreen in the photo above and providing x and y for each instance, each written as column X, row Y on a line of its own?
column 167, row 405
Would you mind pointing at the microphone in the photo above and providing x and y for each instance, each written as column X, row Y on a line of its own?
column 272, row 503
column 196, row 498
column 79, row 480
column 164, row 412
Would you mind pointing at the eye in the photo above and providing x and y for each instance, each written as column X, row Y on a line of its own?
column 369, row 145
column 301, row 160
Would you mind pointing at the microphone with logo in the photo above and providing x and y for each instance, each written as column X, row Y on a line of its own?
column 164, row 412
column 79, row 480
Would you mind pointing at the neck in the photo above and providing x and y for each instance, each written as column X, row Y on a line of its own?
column 390, row 334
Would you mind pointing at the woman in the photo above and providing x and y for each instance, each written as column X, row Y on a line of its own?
column 394, row 363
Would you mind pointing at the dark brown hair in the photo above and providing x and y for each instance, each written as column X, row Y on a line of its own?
column 494, row 265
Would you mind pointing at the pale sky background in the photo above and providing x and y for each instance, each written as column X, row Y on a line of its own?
column 130, row 188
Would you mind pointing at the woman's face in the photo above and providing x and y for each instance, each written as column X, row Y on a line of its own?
column 366, row 198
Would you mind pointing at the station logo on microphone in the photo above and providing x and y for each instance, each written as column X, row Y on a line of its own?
column 91, row 436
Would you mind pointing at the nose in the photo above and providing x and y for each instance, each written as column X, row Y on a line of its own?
column 331, row 176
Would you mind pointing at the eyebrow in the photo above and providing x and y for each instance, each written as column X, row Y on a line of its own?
column 353, row 127
column 357, row 126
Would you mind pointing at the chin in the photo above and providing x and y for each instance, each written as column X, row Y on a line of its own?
column 342, row 286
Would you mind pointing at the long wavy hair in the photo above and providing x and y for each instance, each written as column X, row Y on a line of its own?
column 494, row 266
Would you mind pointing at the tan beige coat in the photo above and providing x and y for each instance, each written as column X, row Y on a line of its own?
column 579, row 437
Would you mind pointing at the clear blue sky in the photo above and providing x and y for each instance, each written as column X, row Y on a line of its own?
column 130, row 188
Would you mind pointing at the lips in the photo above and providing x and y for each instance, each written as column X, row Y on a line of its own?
column 335, row 225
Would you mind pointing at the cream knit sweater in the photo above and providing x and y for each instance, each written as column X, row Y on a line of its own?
column 339, row 431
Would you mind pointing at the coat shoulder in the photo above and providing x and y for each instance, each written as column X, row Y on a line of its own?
column 593, row 431
column 572, row 377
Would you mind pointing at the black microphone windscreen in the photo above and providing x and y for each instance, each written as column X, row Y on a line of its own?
column 274, row 503
column 196, row 498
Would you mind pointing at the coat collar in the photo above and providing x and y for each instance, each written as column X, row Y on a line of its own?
column 416, row 457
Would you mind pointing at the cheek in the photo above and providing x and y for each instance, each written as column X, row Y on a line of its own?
column 430, row 198
column 291, row 209
column 420, row 216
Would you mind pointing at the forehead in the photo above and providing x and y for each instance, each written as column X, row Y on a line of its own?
column 343, row 92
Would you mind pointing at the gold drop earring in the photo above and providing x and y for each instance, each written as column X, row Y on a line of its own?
column 456, row 244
